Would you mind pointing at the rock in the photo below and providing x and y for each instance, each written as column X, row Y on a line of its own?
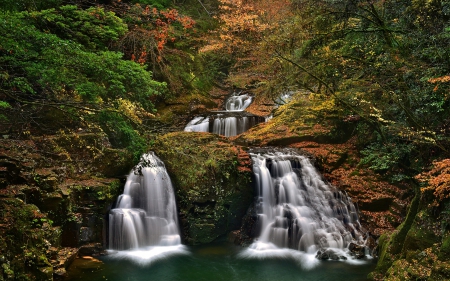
column 329, row 254
column 211, row 177
column 90, row 258
column 93, row 249
column 86, row 234
column 358, row 251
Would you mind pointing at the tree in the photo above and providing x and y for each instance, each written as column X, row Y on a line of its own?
column 50, row 71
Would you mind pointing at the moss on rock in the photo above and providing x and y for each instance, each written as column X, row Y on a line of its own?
column 53, row 197
column 212, row 181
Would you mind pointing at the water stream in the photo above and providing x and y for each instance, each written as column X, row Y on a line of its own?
column 232, row 121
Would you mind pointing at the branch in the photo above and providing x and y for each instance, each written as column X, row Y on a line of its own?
column 57, row 105
column 209, row 14
column 370, row 121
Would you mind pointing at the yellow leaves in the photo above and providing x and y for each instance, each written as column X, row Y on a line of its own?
column 132, row 110
column 242, row 21
column 327, row 104
column 442, row 79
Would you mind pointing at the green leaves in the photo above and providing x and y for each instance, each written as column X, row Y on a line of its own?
column 56, row 62
column 94, row 28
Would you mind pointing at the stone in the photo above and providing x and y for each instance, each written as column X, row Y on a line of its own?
column 86, row 234
column 358, row 251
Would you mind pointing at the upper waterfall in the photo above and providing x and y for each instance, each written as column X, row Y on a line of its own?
column 296, row 209
column 231, row 122
column 238, row 102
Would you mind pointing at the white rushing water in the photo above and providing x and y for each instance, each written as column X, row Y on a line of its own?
column 222, row 123
column 144, row 224
column 238, row 102
column 298, row 211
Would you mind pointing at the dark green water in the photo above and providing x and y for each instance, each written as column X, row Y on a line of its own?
column 217, row 262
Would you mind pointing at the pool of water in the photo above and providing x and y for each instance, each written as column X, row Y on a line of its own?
column 217, row 262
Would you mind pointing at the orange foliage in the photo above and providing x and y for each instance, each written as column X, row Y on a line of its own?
column 442, row 79
column 438, row 180
column 243, row 23
column 157, row 24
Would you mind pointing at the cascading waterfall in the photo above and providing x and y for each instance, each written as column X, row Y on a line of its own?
column 145, row 218
column 238, row 102
column 297, row 210
column 222, row 125
column 231, row 122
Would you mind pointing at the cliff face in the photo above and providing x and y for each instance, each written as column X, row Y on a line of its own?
column 212, row 178
column 54, row 193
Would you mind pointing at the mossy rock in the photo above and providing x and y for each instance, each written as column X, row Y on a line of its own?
column 305, row 118
column 444, row 253
column 385, row 258
column 420, row 236
column 24, row 237
column 212, row 181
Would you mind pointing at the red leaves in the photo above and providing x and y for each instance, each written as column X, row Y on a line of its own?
column 161, row 25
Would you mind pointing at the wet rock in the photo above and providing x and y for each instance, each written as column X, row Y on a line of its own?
column 93, row 249
column 357, row 251
column 329, row 254
column 86, row 234
column 212, row 178
column 52, row 200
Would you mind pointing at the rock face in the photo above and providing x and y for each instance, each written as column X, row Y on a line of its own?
column 419, row 248
column 54, row 192
column 212, row 181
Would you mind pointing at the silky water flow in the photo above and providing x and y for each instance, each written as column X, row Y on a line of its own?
column 298, row 213
column 144, row 224
column 230, row 122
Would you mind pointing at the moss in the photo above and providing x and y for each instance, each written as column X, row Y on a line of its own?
column 391, row 245
column 419, row 236
column 305, row 118
column 24, row 240
column 444, row 252
column 212, row 185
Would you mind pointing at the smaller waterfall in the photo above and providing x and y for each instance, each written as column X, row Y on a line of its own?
column 297, row 210
column 223, row 124
column 231, row 122
column 145, row 216
column 238, row 102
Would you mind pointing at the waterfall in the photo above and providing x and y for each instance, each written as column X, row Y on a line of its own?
column 297, row 210
column 231, row 122
column 238, row 102
column 145, row 216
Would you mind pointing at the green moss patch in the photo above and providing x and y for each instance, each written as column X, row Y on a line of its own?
column 212, row 180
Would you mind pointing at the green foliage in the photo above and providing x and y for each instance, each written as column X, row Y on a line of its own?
column 160, row 4
column 391, row 158
column 42, row 62
column 388, row 69
column 121, row 133
column 28, row 5
column 59, row 58
column 94, row 28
